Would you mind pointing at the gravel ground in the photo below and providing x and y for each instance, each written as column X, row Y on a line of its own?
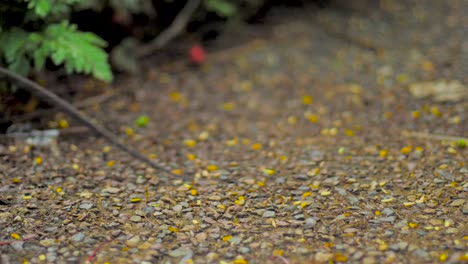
column 312, row 144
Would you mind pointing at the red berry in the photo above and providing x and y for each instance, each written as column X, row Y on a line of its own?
column 197, row 54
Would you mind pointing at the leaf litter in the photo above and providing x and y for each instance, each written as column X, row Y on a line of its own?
column 309, row 166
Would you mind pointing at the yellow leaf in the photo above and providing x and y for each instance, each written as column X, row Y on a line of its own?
column 190, row 142
column 443, row 257
column 307, row 99
column 383, row 153
column 173, row 229
column 135, row 200
column 313, row 119
column 256, row 146
column 228, row 106
column 63, row 123
column 240, row 261
column 191, row 156
column 177, row 171
column 406, row 149
column 15, row 236
column 212, row 168
column 340, row 257
column 278, row 252
column 38, row 160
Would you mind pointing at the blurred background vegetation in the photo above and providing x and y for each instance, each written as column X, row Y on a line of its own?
column 79, row 35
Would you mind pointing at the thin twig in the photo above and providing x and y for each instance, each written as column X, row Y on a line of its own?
column 179, row 23
column 53, row 99
column 95, row 251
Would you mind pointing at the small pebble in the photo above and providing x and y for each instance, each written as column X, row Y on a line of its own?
column 310, row 222
column 457, row 202
column 18, row 245
column 133, row 242
column 421, row 253
column 135, row 218
column 244, row 250
column 177, row 208
column 299, row 217
column 86, row 206
column 78, row 237
column 235, row 240
column 111, row 190
column 181, row 252
column 387, row 211
column 269, row 214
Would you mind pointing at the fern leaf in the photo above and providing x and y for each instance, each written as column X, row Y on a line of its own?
column 81, row 52
column 41, row 7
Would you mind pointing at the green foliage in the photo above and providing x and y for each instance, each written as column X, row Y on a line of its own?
column 62, row 42
column 223, row 8
column 35, row 31
column 142, row 121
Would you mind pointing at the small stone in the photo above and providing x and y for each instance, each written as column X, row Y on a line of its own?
column 323, row 257
column 351, row 230
column 214, row 198
column 181, row 252
column 389, row 219
column 353, row 200
column 86, row 206
column 244, row 250
column 133, row 242
column 421, row 253
column 135, row 218
column 269, row 214
column 78, row 237
column 301, row 177
column 211, row 256
column 299, row 217
column 145, row 245
column 18, row 245
column 235, row 240
column 457, row 202
column 177, row 208
column 280, row 180
column 387, row 211
column 358, row 255
column 140, row 213
column 403, row 245
column 394, row 247
column 310, row 222
column 47, row 242
column 369, row 260
column 401, row 224
column 111, row 190
column 451, row 230
column 388, row 233
column 149, row 209
column 200, row 237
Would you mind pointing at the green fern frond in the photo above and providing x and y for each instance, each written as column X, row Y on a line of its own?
column 41, row 7
column 81, row 52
